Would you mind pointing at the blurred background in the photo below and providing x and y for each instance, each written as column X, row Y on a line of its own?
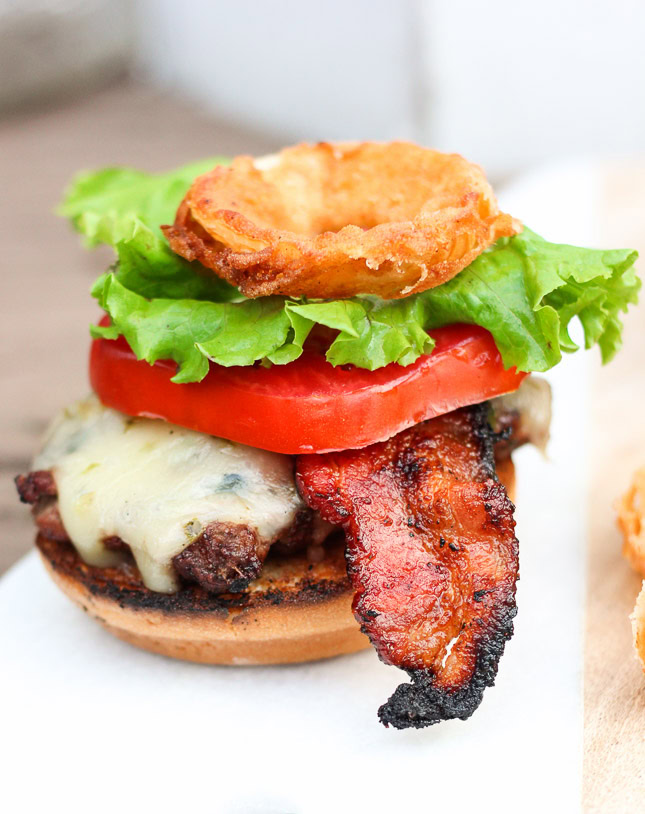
column 155, row 83
column 507, row 83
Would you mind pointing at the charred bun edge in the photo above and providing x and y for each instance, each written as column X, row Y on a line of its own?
column 286, row 580
column 297, row 611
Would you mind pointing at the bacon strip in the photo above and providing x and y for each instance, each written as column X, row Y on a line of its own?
column 432, row 556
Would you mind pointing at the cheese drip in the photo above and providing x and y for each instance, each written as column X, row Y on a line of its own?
column 157, row 486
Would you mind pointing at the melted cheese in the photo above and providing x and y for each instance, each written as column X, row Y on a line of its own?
column 156, row 486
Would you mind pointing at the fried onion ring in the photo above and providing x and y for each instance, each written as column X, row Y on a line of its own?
column 335, row 220
column 638, row 626
column 631, row 521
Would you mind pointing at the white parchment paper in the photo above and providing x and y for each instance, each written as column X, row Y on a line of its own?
column 91, row 724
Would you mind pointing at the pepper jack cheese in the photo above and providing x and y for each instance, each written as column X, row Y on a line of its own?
column 157, row 486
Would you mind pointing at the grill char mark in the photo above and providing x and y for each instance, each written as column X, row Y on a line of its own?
column 123, row 584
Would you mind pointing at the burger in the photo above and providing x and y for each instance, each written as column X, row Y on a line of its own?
column 310, row 375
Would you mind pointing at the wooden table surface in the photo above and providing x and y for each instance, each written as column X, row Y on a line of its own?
column 614, row 685
column 45, row 310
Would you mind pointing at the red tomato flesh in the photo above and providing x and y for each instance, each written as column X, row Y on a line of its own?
column 307, row 405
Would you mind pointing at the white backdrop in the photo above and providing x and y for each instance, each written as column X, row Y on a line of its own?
column 507, row 83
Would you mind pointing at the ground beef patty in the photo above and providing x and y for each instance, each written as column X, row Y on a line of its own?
column 224, row 558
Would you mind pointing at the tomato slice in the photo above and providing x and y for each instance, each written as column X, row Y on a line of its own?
column 307, row 405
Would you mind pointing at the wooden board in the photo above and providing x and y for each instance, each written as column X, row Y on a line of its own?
column 614, row 685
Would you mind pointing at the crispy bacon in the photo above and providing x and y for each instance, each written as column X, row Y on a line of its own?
column 432, row 556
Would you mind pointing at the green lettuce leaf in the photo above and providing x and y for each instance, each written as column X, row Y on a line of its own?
column 192, row 331
column 125, row 208
column 149, row 267
column 104, row 205
column 524, row 290
column 373, row 332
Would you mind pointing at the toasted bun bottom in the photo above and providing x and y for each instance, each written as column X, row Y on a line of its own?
column 296, row 611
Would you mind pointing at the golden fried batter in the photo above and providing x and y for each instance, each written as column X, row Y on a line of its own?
column 335, row 220
column 631, row 520
column 638, row 626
